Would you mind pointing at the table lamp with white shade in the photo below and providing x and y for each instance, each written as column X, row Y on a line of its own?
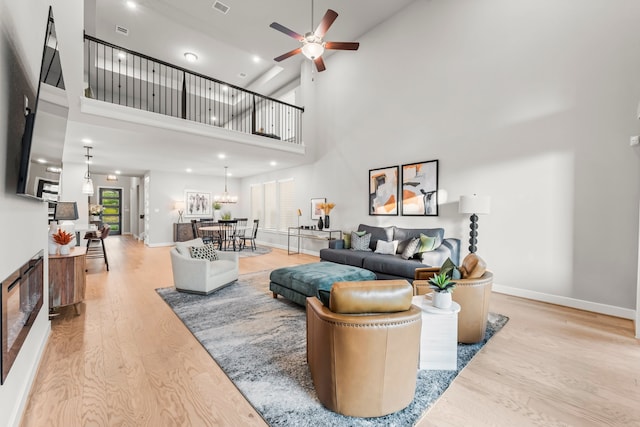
column 179, row 206
column 65, row 213
column 474, row 205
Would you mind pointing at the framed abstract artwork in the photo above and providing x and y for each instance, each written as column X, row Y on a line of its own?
column 383, row 191
column 420, row 188
column 316, row 211
column 197, row 204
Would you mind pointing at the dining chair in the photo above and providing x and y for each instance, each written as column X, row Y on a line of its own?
column 228, row 229
column 241, row 229
column 209, row 236
column 252, row 237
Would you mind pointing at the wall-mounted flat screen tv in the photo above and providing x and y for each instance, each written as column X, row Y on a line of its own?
column 43, row 139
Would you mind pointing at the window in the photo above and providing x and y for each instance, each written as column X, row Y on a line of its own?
column 273, row 204
column 270, row 205
column 287, row 211
column 257, row 203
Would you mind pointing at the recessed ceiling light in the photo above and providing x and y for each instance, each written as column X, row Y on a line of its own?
column 188, row 170
column 190, row 56
column 118, row 172
column 273, row 163
column 131, row 4
column 222, row 156
column 87, row 141
column 256, row 58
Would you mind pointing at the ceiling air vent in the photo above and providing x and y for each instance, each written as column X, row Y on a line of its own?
column 220, row 7
column 122, row 30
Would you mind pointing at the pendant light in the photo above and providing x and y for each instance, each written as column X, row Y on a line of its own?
column 225, row 198
column 87, row 186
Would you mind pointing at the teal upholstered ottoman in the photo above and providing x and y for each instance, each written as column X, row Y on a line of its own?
column 301, row 281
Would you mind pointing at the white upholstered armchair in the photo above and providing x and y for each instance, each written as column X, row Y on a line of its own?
column 201, row 276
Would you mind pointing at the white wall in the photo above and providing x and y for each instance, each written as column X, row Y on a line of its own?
column 22, row 25
column 167, row 188
column 530, row 102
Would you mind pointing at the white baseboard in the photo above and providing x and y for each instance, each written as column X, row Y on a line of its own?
column 19, row 412
column 610, row 310
column 159, row 245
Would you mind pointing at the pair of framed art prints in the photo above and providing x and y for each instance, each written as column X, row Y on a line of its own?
column 414, row 194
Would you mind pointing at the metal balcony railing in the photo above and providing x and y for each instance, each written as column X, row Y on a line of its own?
column 120, row 76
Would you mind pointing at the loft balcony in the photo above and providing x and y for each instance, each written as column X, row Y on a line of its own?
column 130, row 79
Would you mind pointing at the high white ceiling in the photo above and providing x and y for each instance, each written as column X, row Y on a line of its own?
column 226, row 45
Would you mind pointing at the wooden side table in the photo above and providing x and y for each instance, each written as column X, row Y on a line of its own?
column 439, row 335
column 182, row 231
column 67, row 278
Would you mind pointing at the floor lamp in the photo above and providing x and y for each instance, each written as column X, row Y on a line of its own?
column 474, row 205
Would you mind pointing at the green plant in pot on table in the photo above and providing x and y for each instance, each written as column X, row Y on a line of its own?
column 442, row 287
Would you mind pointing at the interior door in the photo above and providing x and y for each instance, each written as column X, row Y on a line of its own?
column 111, row 199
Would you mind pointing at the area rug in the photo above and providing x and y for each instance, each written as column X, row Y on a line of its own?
column 260, row 343
column 260, row 250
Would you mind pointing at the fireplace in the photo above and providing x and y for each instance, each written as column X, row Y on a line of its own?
column 21, row 300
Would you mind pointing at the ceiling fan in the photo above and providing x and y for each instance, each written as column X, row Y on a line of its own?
column 313, row 45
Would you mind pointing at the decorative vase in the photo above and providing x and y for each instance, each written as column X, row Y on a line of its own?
column 326, row 222
column 53, row 248
column 320, row 224
column 65, row 249
column 442, row 299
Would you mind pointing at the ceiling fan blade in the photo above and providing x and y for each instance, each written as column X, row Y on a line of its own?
column 326, row 22
column 319, row 64
column 288, row 54
column 286, row 31
column 342, row 45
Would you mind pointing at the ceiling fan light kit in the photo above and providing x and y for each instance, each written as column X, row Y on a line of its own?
column 313, row 45
column 312, row 49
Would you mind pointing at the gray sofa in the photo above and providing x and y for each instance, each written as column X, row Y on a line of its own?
column 393, row 266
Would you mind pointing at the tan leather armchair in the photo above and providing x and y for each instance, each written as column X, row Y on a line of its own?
column 472, row 292
column 363, row 352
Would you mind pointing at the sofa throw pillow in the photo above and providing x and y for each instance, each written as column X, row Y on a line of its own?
column 451, row 270
column 386, row 248
column 204, row 252
column 360, row 243
column 347, row 240
column 411, row 248
column 427, row 243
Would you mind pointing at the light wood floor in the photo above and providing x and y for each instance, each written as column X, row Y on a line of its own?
column 128, row 361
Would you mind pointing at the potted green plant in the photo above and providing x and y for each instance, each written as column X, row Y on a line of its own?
column 226, row 215
column 442, row 287
column 216, row 210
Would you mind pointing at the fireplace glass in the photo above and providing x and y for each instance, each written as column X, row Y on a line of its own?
column 21, row 301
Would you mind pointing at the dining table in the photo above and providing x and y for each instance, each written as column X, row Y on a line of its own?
column 223, row 229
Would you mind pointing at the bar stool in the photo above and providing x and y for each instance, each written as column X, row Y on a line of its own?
column 98, row 250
